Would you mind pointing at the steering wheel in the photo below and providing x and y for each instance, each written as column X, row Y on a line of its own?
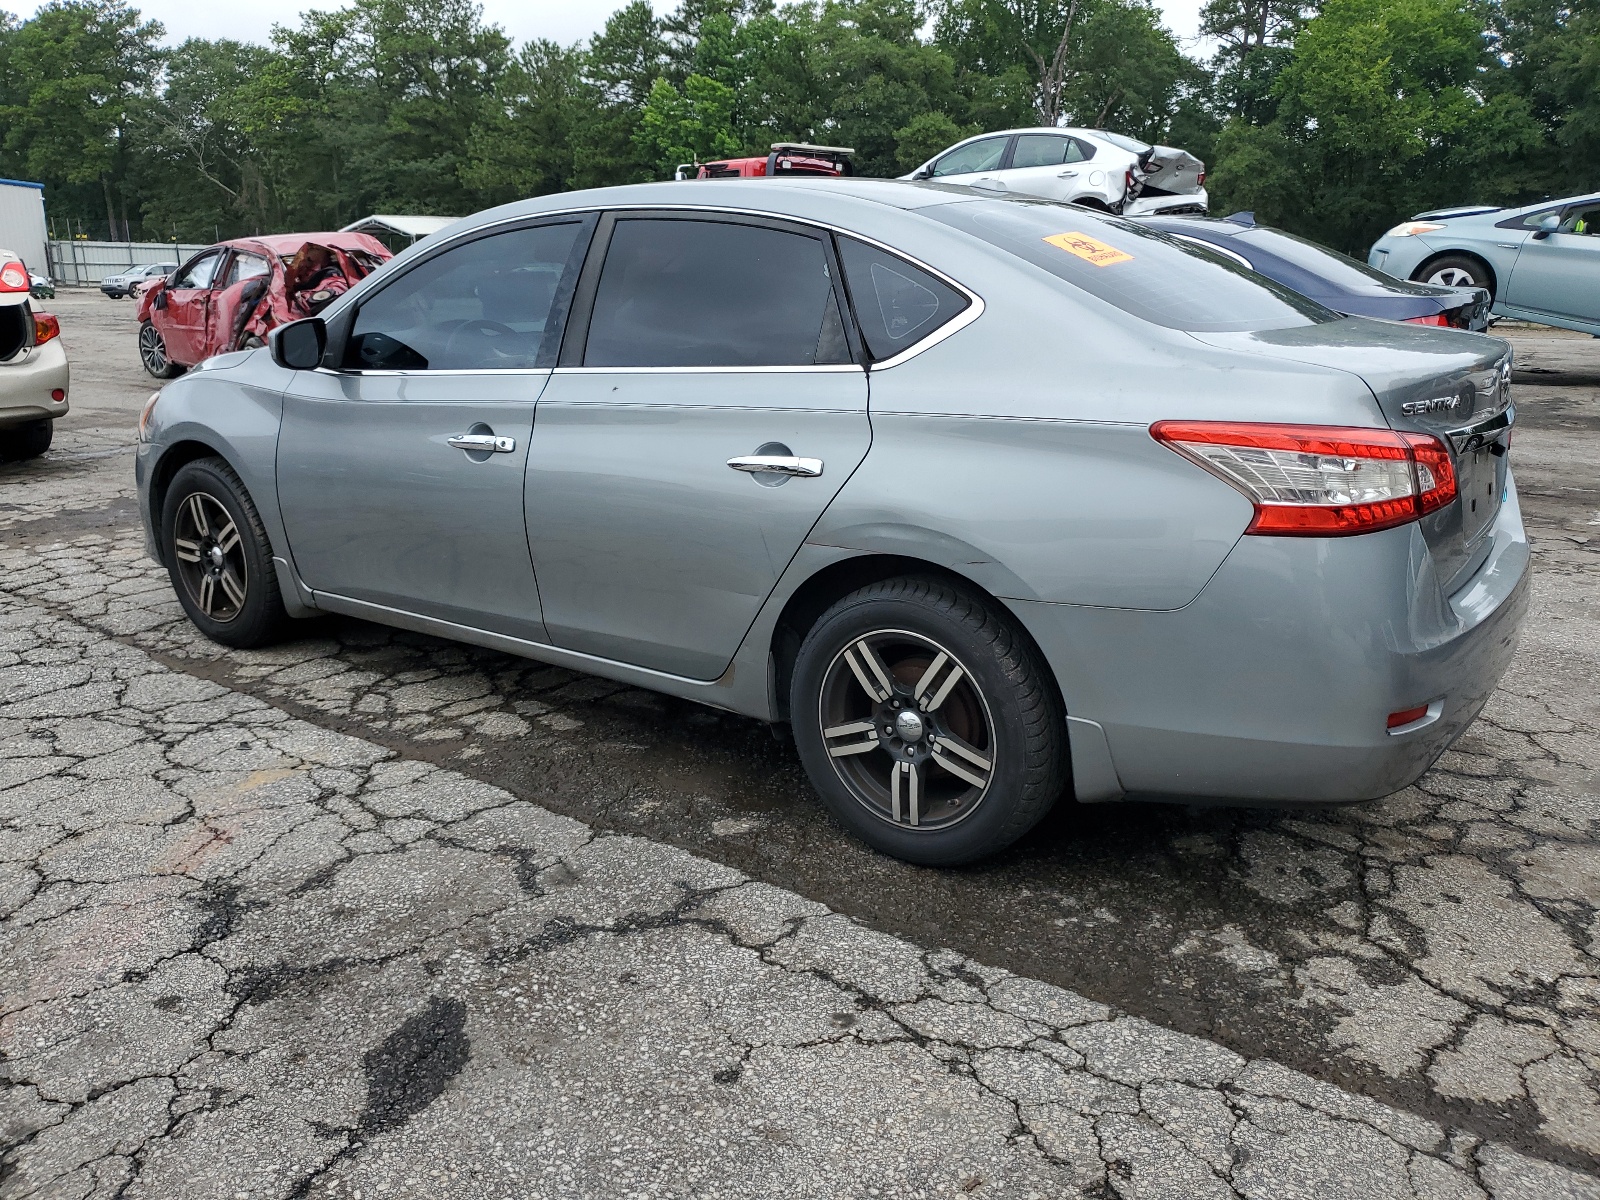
column 491, row 330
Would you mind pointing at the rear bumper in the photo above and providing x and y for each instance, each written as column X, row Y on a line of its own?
column 1275, row 683
column 1181, row 202
column 26, row 384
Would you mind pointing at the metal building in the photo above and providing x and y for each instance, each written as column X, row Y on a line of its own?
column 398, row 232
column 22, row 229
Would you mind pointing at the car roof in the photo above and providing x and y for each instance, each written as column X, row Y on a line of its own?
column 288, row 243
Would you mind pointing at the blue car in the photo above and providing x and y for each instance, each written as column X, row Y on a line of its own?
column 1539, row 263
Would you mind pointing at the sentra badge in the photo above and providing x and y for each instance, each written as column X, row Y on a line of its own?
column 1437, row 404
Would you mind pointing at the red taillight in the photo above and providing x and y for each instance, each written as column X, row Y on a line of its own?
column 1200, row 181
column 45, row 327
column 14, row 277
column 1407, row 715
column 1435, row 319
column 1130, row 183
column 1319, row 480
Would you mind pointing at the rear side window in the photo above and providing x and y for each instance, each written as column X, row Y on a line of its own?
column 483, row 306
column 1139, row 270
column 897, row 304
column 693, row 293
column 1045, row 150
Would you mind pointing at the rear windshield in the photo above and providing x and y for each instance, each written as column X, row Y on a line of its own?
column 1140, row 270
column 1336, row 268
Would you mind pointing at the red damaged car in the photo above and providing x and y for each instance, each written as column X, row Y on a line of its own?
column 229, row 295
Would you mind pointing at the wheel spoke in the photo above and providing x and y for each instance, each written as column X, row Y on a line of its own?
column 869, row 671
column 931, row 702
column 232, row 587
column 961, row 760
column 228, row 538
column 197, row 514
column 905, row 792
column 208, row 592
column 851, row 730
column 187, row 551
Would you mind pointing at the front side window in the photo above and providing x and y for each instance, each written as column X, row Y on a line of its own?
column 245, row 266
column 982, row 155
column 479, row 307
column 697, row 293
column 1583, row 220
column 199, row 272
column 896, row 304
column 1045, row 150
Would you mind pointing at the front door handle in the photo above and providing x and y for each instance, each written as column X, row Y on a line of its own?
column 777, row 464
column 482, row 441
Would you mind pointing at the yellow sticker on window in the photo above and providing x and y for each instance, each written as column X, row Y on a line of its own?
column 1091, row 250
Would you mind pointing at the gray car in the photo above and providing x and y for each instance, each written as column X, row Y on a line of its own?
column 989, row 500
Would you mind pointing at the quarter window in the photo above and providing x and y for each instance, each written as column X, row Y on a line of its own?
column 692, row 293
column 199, row 272
column 483, row 306
column 896, row 304
column 981, row 155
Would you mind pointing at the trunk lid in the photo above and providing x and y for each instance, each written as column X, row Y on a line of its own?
column 1452, row 384
column 1168, row 169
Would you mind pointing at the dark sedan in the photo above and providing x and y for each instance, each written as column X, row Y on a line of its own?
column 1325, row 275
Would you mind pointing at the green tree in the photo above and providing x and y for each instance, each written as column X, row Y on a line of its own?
column 688, row 124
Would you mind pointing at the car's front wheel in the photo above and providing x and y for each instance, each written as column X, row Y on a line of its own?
column 927, row 722
column 153, row 353
column 26, row 441
column 1455, row 270
column 218, row 556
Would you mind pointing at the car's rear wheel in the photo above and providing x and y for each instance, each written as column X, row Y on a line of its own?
column 927, row 722
column 26, row 441
column 218, row 556
column 1455, row 270
column 153, row 353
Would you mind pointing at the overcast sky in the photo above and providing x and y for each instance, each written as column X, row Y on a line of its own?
column 563, row 21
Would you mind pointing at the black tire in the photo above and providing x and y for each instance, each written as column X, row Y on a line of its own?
column 205, row 506
column 153, row 353
column 26, row 441
column 921, row 792
column 1456, row 270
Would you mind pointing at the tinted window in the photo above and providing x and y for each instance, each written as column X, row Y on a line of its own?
column 1584, row 220
column 199, row 272
column 1320, row 261
column 481, row 306
column 897, row 304
column 976, row 156
column 1045, row 150
column 245, row 266
column 713, row 294
column 1140, row 270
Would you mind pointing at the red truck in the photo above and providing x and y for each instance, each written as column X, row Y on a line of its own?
column 786, row 158
column 229, row 295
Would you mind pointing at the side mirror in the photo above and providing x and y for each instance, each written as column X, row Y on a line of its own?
column 924, row 173
column 299, row 345
column 1548, row 224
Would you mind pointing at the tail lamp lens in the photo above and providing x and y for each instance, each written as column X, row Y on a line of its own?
column 1319, row 480
column 45, row 327
column 1201, row 180
column 13, row 277
column 1434, row 319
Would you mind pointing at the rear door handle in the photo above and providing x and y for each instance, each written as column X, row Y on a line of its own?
column 482, row 441
column 777, row 464
column 1066, row 174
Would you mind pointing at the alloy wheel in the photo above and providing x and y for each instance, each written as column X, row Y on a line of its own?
column 211, row 560
column 152, row 349
column 907, row 729
column 1453, row 277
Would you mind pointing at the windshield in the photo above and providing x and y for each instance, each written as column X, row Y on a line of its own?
column 1127, row 143
column 1138, row 269
column 1326, row 264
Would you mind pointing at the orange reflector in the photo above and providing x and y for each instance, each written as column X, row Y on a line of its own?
column 1407, row 715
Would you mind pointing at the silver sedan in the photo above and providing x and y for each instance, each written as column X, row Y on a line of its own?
column 990, row 501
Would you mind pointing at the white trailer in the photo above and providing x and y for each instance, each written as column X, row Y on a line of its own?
column 22, row 228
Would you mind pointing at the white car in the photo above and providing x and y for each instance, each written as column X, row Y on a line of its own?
column 33, row 367
column 1081, row 166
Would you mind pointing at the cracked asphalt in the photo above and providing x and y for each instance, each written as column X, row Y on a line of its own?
column 371, row 914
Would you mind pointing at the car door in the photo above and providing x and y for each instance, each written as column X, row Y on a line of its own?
column 974, row 162
column 236, row 296
column 1049, row 165
column 186, row 306
column 400, row 474
column 1560, row 274
column 703, row 347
